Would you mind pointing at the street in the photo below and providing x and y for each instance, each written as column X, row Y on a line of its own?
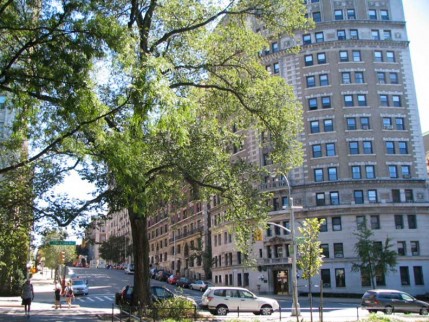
column 104, row 283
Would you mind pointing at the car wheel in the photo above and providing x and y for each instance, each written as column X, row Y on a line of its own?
column 388, row 310
column 257, row 313
column 266, row 310
column 424, row 311
column 222, row 310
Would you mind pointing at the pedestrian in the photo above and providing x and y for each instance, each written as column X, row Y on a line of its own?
column 57, row 291
column 69, row 294
column 27, row 296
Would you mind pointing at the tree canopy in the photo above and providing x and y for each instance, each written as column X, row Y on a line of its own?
column 142, row 97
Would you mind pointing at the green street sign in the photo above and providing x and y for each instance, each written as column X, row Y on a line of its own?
column 62, row 242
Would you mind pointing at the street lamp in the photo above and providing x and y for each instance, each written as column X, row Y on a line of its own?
column 296, row 310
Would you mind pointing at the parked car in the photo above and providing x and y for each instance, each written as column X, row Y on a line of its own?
column 221, row 300
column 80, row 287
column 159, row 293
column 183, row 282
column 200, row 285
column 129, row 269
column 162, row 276
column 172, row 279
column 390, row 301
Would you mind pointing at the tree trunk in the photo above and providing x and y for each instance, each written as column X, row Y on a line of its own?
column 139, row 233
column 311, row 298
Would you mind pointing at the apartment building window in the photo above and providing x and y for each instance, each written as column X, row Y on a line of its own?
column 346, row 78
column 405, row 275
column 372, row 196
column 308, row 60
column 319, row 37
column 359, row 79
column 399, row 122
column 324, row 80
column 306, row 39
column 326, row 277
column 384, row 100
column 338, row 14
column 318, row 175
column 285, row 201
column 387, row 34
column 364, row 123
column 375, row 34
column 378, row 56
column 320, row 199
column 358, row 196
column 399, row 222
column 332, row 174
column 323, row 224
column 375, row 222
column 384, row 14
column 393, row 77
column 276, row 68
column 367, row 147
column 356, row 173
column 268, row 69
column 370, row 171
column 403, row 147
column 287, row 225
column 311, row 81
column 326, row 102
column 325, row 250
column 317, row 150
column 348, row 100
column 412, row 221
column 336, row 224
column 321, row 58
column 314, row 127
column 312, row 103
column 390, row 147
column 354, row 34
column 344, row 56
column 393, row 171
column 409, row 195
column 372, row 14
column 418, row 275
column 317, row 16
column 396, row 100
column 354, row 147
column 415, row 247
column 340, row 277
column 390, row 56
column 351, row 123
column 330, row 149
column 396, row 195
column 406, row 171
column 351, row 14
column 338, row 250
column 341, row 34
column 361, row 98
column 356, row 56
column 387, row 123
column 334, row 197
column 381, row 77
column 328, row 125
column 275, row 47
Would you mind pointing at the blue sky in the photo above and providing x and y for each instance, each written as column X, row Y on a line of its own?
column 416, row 16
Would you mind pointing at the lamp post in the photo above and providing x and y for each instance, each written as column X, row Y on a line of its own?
column 296, row 310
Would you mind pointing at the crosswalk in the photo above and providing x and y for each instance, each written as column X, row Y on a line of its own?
column 94, row 298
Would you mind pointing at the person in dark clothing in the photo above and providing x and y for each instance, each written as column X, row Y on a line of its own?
column 57, row 291
column 27, row 296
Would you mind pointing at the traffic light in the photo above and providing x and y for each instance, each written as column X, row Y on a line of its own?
column 62, row 257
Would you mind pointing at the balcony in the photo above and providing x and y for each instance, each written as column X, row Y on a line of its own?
column 275, row 261
column 186, row 234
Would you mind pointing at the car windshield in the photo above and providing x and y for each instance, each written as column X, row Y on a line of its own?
column 79, row 283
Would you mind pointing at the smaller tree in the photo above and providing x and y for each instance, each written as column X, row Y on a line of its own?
column 374, row 258
column 310, row 253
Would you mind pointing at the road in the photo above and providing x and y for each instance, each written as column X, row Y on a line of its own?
column 104, row 283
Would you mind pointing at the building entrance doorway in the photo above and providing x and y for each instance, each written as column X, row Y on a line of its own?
column 281, row 282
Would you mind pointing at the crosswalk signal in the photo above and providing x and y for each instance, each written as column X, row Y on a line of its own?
column 62, row 257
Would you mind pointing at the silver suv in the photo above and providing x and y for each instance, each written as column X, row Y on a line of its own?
column 223, row 299
column 390, row 301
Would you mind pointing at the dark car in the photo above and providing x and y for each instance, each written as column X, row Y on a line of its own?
column 159, row 293
column 162, row 276
column 390, row 301
column 183, row 282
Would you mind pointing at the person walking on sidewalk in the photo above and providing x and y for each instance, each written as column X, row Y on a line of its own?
column 27, row 296
column 69, row 294
column 57, row 291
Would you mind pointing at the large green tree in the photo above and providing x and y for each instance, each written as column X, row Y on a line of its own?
column 160, row 114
